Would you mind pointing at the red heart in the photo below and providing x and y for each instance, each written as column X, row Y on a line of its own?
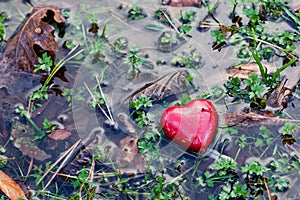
column 192, row 126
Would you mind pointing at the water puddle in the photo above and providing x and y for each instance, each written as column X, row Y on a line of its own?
column 97, row 122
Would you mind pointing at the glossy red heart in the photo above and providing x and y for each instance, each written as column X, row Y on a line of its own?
column 192, row 126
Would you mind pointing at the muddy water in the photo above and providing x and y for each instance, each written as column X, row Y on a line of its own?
column 211, row 71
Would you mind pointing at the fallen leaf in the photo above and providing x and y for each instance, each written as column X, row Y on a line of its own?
column 29, row 148
column 129, row 146
column 25, row 142
column 242, row 71
column 59, row 134
column 131, row 161
column 280, row 96
column 255, row 118
column 169, row 84
column 33, row 37
column 10, row 188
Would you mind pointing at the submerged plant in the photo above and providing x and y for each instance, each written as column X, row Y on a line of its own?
column 97, row 50
column 135, row 59
column 99, row 100
column 167, row 38
column 119, row 46
column 187, row 16
column 187, row 59
column 24, row 113
column 94, row 24
column 139, row 107
column 164, row 17
column 136, row 13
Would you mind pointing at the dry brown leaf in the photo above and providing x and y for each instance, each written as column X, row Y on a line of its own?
column 131, row 161
column 10, row 188
column 250, row 119
column 59, row 134
column 243, row 70
column 34, row 36
column 279, row 98
column 25, row 142
column 129, row 146
column 169, row 84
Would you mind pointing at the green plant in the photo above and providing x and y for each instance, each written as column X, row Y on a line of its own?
column 282, row 165
column 91, row 19
column 187, row 16
column 255, row 86
column 258, row 12
column 224, row 166
column 164, row 17
column 2, row 26
column 119, row 46
column 253, row 91
column 23, row 113
column 45, row 63
column 254, row 178
column 185, row 99
column 99, row 100
column 278, row 183
column 187, row 59
column 254, row 168
column 3, row 157
column 40, row 94
column 233, row 192
column 285, row 40
column 162, row 190
column 218, row 36
column 135, row 59
column 140, row 102
column 139, row 107
column 288, row 129
column 147, row 145
column 68, row 94
column 136, row 13
column 253, row 15
column 184, row 30
column 97, row 50
column 82, row 182
column 48, row 126
column 167, row 39
column 265, row 137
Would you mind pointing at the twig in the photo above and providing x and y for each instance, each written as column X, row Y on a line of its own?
column 103, row 97
column 267, row 188
column 61, row 63
column 65, row 155
column 110, row 118
column 94, row 98
column 273, row 45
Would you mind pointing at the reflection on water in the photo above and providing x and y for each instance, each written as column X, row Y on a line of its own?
column 256, row 139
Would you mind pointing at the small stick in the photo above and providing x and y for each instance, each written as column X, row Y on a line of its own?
column 56, row 162
column 102, row 94
column 102, row 110
column 267, row 188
